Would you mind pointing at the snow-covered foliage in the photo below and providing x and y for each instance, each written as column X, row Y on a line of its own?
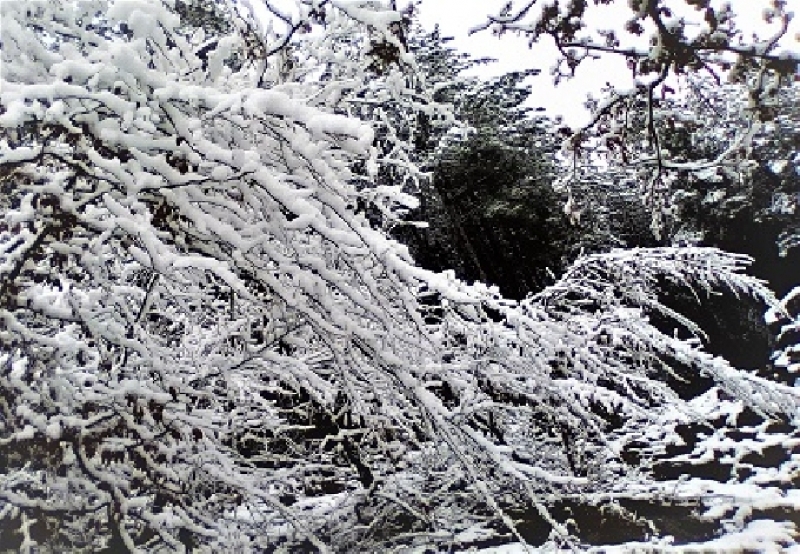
column 665, row 44
column 206, row 347
column 784, row 318
column 722, row 169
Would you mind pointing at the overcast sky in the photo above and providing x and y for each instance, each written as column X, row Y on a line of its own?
column 456, row 17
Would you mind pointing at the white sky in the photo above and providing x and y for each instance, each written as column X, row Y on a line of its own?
column 456, row 17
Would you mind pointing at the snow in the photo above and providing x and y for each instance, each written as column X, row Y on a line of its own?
column 215, row 284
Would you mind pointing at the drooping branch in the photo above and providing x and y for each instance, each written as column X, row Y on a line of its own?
column 714, row 45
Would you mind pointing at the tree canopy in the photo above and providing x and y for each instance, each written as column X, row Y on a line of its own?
column 211, row 342
column 663, row 42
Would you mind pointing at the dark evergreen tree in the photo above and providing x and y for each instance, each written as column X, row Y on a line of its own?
column 490, row 210
column 507, row 227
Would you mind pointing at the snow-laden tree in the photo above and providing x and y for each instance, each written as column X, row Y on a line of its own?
column 171, row 229
column 663, row 43
column 206, row 347
column 758, row 180
column 489, row 208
